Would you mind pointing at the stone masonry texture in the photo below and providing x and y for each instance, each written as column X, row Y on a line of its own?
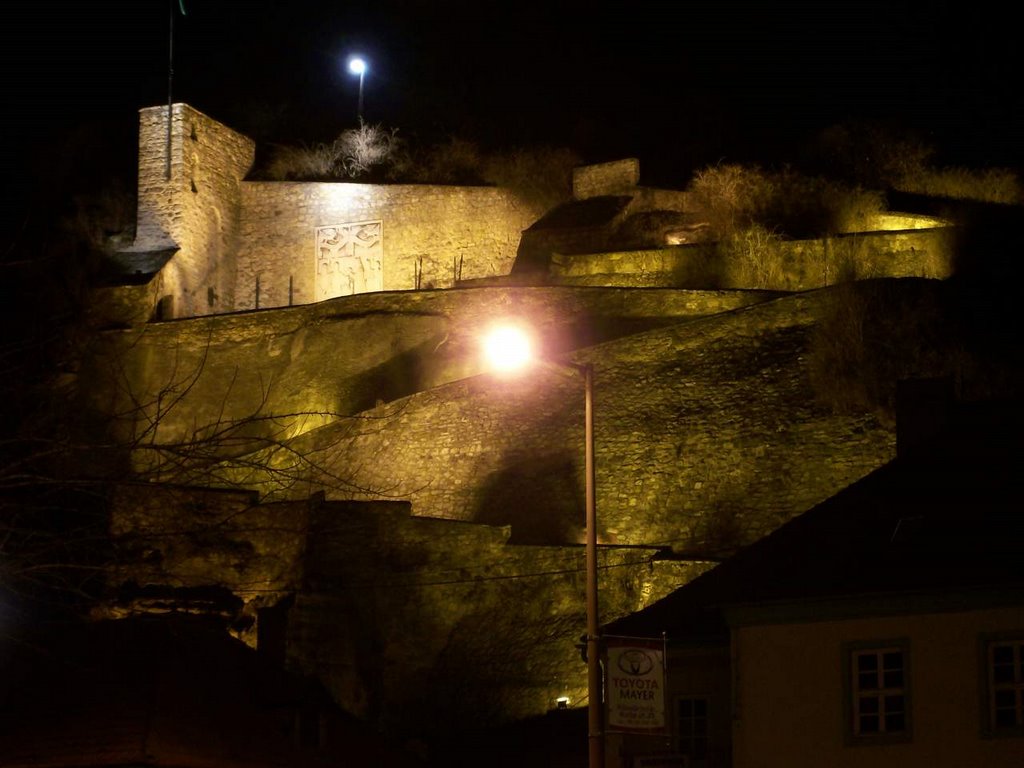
column 232, row 234
column 417, row 519
column 404, row 619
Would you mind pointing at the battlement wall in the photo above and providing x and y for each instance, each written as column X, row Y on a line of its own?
column 615, row 178
column 384, row 237
column 794, row 265
column 246, row 244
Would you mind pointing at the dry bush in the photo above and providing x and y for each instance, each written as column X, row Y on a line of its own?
column 363, row 152
column 369, row 150
column 734, row 198
column 753, row 258
column 539, row 176
column 869, row 154
column 731, row 197
column 876, row 156
column 792, row 205
column 846, row 261
column 454, row 161
column 301, row 163
column 814, row 206
column 991, row 185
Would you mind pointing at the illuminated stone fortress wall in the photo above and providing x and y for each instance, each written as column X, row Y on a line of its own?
column 707, row 430
column 242, row 244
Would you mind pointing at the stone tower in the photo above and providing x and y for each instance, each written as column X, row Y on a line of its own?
column 190, row 206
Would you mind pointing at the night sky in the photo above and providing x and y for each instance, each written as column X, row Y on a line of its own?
column 679, row 84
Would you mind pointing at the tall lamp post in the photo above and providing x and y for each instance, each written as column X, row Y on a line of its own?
column 357, row 66
column 506, row 349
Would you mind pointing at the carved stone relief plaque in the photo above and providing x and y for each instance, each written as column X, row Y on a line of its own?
column 348, row 259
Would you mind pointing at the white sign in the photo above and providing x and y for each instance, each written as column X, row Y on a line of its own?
column 635, row 684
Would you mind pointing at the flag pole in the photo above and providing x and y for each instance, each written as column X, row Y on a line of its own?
column 170, row 76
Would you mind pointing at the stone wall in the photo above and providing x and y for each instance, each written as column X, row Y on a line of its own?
column 707, row 426
column 414, row 624
column 707, row 437
column 795, row 265
column 245, row 245
column 309, row 365
column 197, row 209
column 707, row 434
column 619, row 177
column 431, row 236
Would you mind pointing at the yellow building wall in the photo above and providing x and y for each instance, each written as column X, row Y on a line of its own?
column 788, row 709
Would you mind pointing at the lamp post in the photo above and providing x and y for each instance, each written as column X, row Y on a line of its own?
column 508, row 349
column 357, row 66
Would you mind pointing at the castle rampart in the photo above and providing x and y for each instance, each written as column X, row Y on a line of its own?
column 383, row 237
column 785, row 265
column 239, row 244
column 337, row 358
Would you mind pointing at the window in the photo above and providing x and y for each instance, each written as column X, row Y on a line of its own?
column 877, row 689
column 692, row 727
column 1004, row 686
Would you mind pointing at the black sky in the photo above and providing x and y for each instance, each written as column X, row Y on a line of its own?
column 676, row 83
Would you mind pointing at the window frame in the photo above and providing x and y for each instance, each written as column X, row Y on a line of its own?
column 986, row 643
column 683, row 740
column 851, row 691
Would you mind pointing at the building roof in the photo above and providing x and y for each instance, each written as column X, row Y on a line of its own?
column 944, row 520
column 135, row 267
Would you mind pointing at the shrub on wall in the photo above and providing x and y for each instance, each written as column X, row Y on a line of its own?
column 453, row 161
column 300, row 163
column 540, row 176
column 730, row 197
column 868, row 154
column 990, row 185
column 369, row 152
column 754, row 260
column 880, row 157
column 734, row 198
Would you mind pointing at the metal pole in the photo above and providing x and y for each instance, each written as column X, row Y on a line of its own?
column 170, row 81
column 594, row 699
column 361, row 97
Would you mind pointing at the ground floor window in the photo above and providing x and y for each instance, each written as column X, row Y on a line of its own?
column 692, row 714
column 1005, row 685
column 877, row 691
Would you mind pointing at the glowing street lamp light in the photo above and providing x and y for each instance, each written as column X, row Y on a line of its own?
column 357, row 66
column 508, row 349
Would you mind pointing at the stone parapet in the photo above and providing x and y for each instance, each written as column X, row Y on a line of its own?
column 619, row 177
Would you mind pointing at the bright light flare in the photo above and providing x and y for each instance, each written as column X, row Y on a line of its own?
column 357, row 65
column 507, row 348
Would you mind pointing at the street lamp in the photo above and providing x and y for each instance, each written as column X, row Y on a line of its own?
column 507, row 349
column 357, row 66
